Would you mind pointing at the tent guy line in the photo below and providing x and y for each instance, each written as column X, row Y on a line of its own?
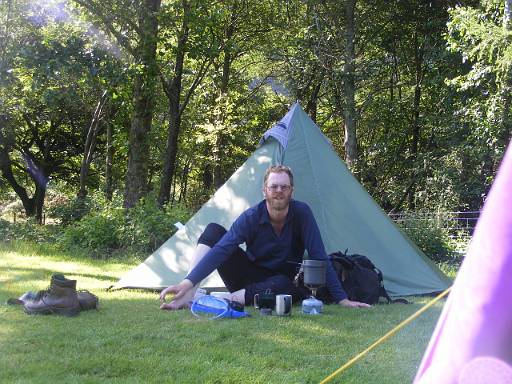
column 390, row 333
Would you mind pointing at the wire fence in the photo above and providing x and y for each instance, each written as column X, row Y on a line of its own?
column 457, row 223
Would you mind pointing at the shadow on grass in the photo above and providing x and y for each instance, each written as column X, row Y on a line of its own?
column 27, row 248
column 29, row 273
column 130, row 339
column 24, row 266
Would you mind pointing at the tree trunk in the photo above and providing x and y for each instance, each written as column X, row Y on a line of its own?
column 33, row 205
column 171, row 151
column 184, row 182
column 39, row 202
column 312, row 104
column 206, row 175
column 6, row 143
column 143, row 104
column 218, row 178
column 21, row 192
column 90, row 145
column 173, row 91
column 38, row 173
column 217, row 161
column 416, row 126
column 108, row 164
column 229, row 31
column 349, row 111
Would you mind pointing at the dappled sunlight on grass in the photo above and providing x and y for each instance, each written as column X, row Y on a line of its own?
column 175, row 345
column 132, row 295
column 24, row 266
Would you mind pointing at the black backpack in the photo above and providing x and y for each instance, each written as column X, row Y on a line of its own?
column 360, row 278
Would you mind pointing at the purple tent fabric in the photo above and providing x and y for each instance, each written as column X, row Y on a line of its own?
column 473, row 337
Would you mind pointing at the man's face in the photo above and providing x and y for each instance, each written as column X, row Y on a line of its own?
column 278, row 190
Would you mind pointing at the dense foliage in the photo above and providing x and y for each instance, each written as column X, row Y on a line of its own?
column 161, row 101
column 100, row 228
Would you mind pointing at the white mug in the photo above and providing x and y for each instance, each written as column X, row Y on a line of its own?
column 283, row 305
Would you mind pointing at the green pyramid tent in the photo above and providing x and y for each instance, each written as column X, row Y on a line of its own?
column 346, row 214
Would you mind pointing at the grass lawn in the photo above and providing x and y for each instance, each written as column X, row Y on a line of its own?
column 129, row 340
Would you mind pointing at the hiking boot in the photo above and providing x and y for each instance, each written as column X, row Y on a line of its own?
column 15, row 301
column 61, row 298
column 87, row 300
column 27, row 296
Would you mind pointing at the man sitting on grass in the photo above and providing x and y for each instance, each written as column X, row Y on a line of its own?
column 276, row 232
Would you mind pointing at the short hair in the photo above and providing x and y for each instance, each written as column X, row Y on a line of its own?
column 278, row 169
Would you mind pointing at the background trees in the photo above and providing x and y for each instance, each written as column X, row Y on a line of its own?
column 50, row 82
column 167, row 99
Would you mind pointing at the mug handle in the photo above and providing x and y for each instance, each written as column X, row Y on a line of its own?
column 288, row 304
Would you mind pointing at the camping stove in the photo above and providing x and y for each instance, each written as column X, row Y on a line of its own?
column 314, row 278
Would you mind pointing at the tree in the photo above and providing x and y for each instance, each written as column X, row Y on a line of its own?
column 135, row 27
column 337, row 53
column 483, row 38
column 46, row 96
column 90, row 143
column 190, row 14
column 405, row 111
column 241, row 32
column 212, row 39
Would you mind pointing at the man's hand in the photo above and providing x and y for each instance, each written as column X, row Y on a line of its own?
column 181, row 291
column 353, row 304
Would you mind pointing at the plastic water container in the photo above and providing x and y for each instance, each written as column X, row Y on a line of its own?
column 221, row 295
column 312, row 306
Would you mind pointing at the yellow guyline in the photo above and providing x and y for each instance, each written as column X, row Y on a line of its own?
column 386, row 336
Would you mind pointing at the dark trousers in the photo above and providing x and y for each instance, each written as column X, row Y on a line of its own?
column 239, row 272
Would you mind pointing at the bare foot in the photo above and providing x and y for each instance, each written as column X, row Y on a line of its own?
column 174, row 305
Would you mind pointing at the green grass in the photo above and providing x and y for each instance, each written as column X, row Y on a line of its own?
column 129, row 340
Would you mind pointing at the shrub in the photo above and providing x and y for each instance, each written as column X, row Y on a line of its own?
column 28, row 230
column 98, row 227
column 147, row 226
column 71, row 210
column 436, row 241
column 108, row 228
column 96, row 233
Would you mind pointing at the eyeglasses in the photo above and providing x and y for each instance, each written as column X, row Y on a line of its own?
column 276, row 187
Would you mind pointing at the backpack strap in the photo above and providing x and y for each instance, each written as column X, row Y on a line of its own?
column 345, row 261
column 385, row 294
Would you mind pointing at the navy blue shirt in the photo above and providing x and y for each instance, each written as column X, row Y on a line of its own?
column 279, row 253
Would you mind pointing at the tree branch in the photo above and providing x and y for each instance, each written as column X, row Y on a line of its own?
column 108, row 23
column 200, row 76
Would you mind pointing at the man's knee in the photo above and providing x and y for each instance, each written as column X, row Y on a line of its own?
column 211, row 234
